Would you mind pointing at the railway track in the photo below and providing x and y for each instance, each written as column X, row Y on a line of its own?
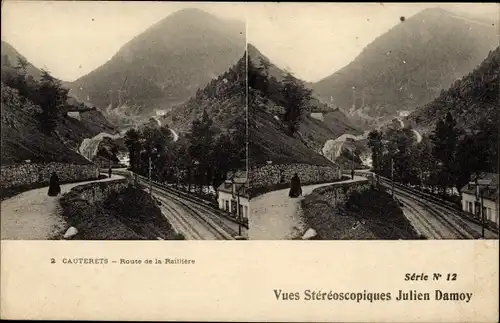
column 434, row 220
column 191, row 218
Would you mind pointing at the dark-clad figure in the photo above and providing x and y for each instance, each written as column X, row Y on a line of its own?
column 54, row 187
column 110, row 172
column 352, row 174
column 295, row 188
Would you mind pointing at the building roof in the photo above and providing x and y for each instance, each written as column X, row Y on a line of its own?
column 239, row 178
column 488, row 186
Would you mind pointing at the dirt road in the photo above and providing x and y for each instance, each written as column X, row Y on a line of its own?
column 33, row 215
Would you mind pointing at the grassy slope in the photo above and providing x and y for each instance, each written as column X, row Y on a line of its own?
column 129, row 215
column 371, row 215
column 268, row 141
column 21, row 138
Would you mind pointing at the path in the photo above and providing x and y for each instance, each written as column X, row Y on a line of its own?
column 275, row 216
column 33, row 215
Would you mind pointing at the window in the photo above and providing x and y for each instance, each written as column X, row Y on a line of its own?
column 470, row 207
column 227, row 205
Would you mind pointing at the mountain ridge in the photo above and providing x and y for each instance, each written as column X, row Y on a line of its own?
column 407, row 66
column 164, row 65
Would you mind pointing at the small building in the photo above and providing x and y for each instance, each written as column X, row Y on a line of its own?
column 233, row 195
column 482, row 190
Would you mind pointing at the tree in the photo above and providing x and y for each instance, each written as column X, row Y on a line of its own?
column 22, row 64
column 296, row 97
column 50, row 97
column 376, row 146
column 445, row 141
column 15, row 77
column 425, row 162
column 472, row 155
column 134, row 147
column 200, row 145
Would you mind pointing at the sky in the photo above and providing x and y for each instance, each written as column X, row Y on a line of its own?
column 312, row 40
column 72, row 38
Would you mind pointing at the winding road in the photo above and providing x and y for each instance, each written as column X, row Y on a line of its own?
column 275, row 216
column 33, row 215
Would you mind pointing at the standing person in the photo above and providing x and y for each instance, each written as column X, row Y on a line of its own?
column 295, row 188
column 54, row 187
column 109, row 171
column 352, row 174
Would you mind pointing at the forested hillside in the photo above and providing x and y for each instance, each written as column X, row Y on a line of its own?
column 36, row 124
column 473, row 100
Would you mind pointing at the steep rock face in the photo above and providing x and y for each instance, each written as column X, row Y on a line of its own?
column 408, row 66
column 164, row 65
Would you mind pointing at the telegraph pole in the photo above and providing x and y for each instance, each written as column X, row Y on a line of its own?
column 392, row 176
column 150, row 183
column 483, row 220
column 479, row 204
column 239, row 214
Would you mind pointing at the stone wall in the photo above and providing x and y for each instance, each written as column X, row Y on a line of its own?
column 28, row 174
column 337, row 194
column 94, row 193
column 269, row 175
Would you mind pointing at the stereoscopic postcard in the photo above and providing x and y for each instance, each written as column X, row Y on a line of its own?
column 350, row 148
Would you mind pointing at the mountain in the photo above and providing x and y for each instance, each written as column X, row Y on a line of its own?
column 223, row 98
column 268, row 137
column 331, row 120
column 473, row 100
column 408, row 66
column 164, row 65
column 10, row 58
column 21, row 135
column 22, row 139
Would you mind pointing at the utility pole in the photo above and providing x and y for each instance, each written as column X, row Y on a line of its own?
column 479, row 204
column 421, row 180
column 238, row 213
column 392, row 176
column 483, row 218
column 353, row 159
column 150, row 183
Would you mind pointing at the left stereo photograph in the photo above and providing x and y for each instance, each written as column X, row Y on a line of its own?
column 126, row 122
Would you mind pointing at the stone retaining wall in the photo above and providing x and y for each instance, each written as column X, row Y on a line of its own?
column 269, row 175
column 97, row 192
column 337, row 194
column 28, row 174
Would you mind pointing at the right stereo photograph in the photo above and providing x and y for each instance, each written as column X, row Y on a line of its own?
column 373, row 121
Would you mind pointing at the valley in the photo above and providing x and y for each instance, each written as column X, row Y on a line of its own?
column 206, row 122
